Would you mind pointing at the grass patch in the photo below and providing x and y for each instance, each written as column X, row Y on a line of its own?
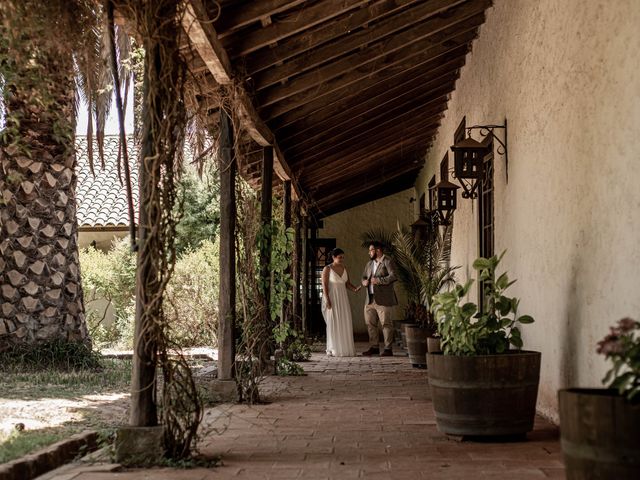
column 113, row 375
column 17, row 444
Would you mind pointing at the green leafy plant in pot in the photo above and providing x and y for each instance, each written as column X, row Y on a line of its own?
column 482, row 383
column 600, row 427
column 423, row 270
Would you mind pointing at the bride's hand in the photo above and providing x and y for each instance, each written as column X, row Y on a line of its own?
column 328, row 304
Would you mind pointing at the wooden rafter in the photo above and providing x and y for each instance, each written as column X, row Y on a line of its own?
column 428, row 34
column 361, row 158
column 426, row 107
column 405, row 94
column 234, row 17
column 380, row 31
column 388, row 67
column 304, row 41
column 247, row 42
column 205, row 40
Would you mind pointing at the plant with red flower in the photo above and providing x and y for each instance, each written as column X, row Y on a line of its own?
column 622, row 347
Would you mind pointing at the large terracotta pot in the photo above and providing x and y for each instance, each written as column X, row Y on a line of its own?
column 417, row 345
column 484, row 395
column 600, row 434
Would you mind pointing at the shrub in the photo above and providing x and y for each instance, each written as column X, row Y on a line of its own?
column 191, row 299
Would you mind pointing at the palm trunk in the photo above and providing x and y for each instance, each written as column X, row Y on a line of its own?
column 40, row 292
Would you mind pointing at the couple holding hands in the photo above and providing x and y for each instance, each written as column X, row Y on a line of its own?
column 378, row 278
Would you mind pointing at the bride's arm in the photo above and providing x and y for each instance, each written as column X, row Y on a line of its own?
column 351, row 286
column 325, row 286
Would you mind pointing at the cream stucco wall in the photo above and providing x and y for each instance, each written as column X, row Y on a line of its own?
column 347, row 228
column 566, row 75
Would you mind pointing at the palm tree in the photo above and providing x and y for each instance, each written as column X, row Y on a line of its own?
column 43, row 45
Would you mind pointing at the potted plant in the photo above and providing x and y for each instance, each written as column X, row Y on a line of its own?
column 423, row 270
column 600, row 428
column 482, row 383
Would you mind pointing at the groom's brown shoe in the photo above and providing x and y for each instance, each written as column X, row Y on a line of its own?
column 371, row 351
column 387, row 352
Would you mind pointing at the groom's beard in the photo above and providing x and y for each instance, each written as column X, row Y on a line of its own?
column 372, row 256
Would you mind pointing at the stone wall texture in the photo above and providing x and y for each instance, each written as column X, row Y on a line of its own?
column 566, row 75
column 347, row 228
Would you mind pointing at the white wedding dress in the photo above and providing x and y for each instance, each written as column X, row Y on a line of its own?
column 338, row 317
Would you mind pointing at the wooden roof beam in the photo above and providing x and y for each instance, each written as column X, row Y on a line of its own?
column 359, row 38
column 370, row 87
column 357, row 112
column 246, row 42
column 303, row 41
column 429, row 34
column 205, row 40
column 361, row 158
column 233, row 17
column 430, row 104
column 392, row 65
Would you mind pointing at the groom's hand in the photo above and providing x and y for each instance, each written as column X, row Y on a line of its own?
column 375, row 281
column 365, row 283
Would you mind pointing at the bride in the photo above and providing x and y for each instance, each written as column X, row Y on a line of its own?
column 335, row 306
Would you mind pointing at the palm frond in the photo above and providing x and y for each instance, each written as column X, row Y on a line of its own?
column 379, row 235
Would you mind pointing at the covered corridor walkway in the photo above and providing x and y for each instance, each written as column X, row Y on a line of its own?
column 349, row 418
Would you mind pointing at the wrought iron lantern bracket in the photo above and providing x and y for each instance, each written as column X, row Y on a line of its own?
column 486, row 130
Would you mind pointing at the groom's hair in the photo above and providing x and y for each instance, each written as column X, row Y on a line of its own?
column 377, row 245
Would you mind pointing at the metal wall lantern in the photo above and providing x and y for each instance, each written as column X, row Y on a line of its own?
column 469, row 157
column 445, row 200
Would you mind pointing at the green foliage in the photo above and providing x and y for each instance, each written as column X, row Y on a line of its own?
column 109, row 282
column 19, row 443
column 199, row 211
column 622, row 347
column 293, row 343
column 287, row 368
column 191, row 298
column 57, row 354
column 281, row 254
column 464, row 330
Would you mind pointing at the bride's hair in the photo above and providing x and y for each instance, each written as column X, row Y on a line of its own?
column 336, row 251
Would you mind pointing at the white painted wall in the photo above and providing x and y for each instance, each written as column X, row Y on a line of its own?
column 566, row 75
column 347, row 228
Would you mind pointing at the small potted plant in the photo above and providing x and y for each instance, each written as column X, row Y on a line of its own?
column 600, row 428
column 482, row 383
column 417, row 334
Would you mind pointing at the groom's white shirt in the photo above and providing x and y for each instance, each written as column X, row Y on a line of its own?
column 376, row 264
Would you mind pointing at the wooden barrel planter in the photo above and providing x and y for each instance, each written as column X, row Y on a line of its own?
column 433, row 344
column 484, row 395
column 403, row 331
column 417, row 345
column 600, row 434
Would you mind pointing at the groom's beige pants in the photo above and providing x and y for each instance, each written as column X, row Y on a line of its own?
column 374, row 315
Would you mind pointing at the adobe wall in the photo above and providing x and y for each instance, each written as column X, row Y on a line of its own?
column 566, row 75
column 348, row 226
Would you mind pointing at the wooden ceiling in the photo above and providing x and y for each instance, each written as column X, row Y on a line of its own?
column 350, row 91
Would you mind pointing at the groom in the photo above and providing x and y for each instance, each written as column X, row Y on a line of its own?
column 378, row 278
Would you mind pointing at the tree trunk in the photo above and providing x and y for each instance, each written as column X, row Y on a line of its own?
column 40, row 292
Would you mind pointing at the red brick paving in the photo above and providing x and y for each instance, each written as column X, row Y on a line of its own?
column 351, row 418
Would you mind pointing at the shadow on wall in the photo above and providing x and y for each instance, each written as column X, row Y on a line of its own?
column 570, row 330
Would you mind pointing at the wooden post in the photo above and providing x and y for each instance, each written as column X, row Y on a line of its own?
column 227, row 298
column 265, row 215
column 286, row 305
column 143, row 376
column 297, row 254
column 303, row 270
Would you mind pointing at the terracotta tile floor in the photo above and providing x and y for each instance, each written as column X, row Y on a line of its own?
column 350, row 418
